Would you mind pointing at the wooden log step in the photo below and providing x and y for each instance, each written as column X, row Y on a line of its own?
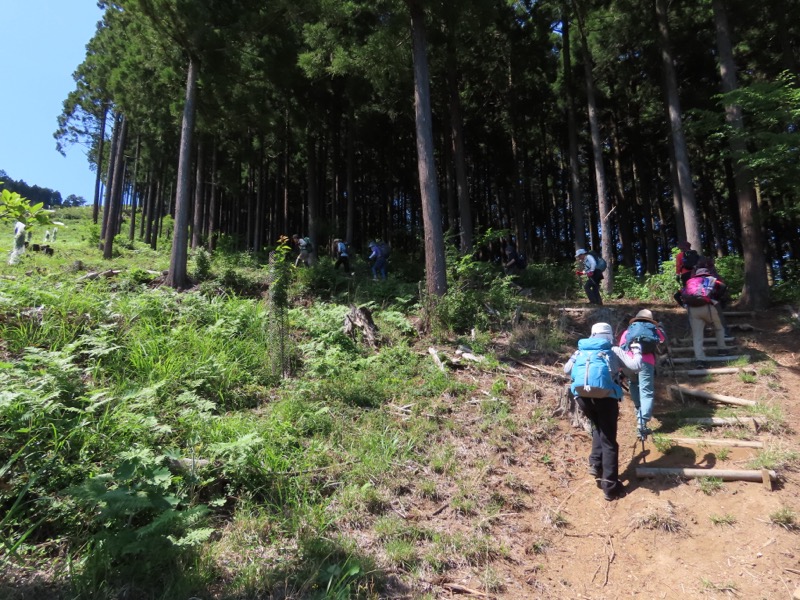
column 764, row 476
column 712, row 371
column 680, row 390
column 686, row 361
column 690, row 350
column 716, row 442
column 706, row 340
column 739, row 313
column 752, row 422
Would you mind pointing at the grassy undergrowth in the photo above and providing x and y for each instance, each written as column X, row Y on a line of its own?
column 152, row 446
column 149, row 446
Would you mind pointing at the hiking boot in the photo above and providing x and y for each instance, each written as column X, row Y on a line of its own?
column 615, row 493
column 643, row 432
column 700, row 365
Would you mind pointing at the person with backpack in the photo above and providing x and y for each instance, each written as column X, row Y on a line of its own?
column 379, row 264
column 701, row 297
column 644, row 330
column 342, row 255
column 685, row 263
column 594, row 370
column 514, row 262
column 593, row 267
column 304, row 248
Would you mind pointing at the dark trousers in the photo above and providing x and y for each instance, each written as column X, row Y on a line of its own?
column 603, row 413
column 343, row 260
column 592, row 288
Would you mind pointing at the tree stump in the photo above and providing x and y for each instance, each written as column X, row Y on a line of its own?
column 360, row 319
column 569, row 409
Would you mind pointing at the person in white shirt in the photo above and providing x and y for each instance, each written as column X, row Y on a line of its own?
column 593, row 276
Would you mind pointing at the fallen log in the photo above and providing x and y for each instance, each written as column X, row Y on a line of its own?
column 686, row 361
column 716, row 442
column 435, row 354
column 739, row 313
column 542, row 370
column 97, row 274
column 764, row 476
column 681, row 390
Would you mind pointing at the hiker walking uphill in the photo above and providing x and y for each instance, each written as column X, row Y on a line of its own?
column 305, row 248
column 342, row 255
column 648, row 333
column 685, row 263
column 701, row 297
column 593, row 267
column 515, row 262
column 594, row 369
column 379, row 253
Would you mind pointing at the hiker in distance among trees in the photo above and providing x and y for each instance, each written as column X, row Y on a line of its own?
column 593, row 267
column 701, row 297
column 514, row 262
column 594, row 369
column 648, row 333
column 304, row 248
column 685, row 263
column 342, row 255
column 379, row 252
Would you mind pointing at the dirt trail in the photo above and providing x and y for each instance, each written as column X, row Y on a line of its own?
column 667, row 538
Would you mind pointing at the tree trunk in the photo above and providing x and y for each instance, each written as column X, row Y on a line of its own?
column 115, row 201
column 132, row 230
column 109, row 179
column 603, row 206
column 578, row 220
column 212, row 202
column 349, row 186
column 199, row 195
column 312, row 182
column 688, row 202
column 435, row 275
column 755, row 294
column 97, row 179
column 459, row 154
column 177, row 276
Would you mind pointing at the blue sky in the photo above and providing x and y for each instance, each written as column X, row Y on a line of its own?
column 43, row 43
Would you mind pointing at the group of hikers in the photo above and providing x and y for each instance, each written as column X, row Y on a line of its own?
column 601, row 363
column 378, row 257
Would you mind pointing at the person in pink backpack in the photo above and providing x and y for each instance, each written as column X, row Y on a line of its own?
column 701, row 297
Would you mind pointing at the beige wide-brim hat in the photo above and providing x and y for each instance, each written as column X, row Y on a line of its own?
column 644, row 315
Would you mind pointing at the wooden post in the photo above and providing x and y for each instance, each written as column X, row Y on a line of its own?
column 690, row 350
column 686, row 361
column 751, row 422
column 716, row 442
column 702, row 372
column 680, row 390
column 707, row 340
column 724, row 474
column 766, row 479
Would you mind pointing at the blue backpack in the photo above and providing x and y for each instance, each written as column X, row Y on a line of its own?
column 591, row 372
column 601, row 265
column 645, row 333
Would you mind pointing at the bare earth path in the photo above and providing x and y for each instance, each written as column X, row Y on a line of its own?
column 556, row 537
